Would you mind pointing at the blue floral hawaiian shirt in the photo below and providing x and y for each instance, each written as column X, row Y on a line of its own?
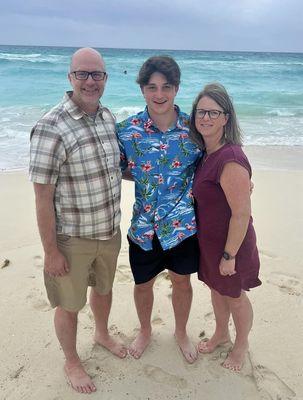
column 162, row 165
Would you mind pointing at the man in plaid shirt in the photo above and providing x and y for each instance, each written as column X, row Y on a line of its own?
column 74, row 165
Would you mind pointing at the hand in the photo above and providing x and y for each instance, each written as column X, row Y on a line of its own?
column 227, row 267
column 55, row 264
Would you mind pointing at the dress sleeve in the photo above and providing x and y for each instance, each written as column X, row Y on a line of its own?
column 233, row 155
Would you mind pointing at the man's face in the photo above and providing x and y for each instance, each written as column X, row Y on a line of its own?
column 159, row 94
column 86, row 93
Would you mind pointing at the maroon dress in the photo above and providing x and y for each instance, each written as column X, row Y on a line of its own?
column 213, row 215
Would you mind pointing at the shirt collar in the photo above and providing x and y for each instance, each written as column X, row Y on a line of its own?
column 75, row 111
column 149, row 124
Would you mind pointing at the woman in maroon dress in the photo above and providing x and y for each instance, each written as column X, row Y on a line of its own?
column 229, row 262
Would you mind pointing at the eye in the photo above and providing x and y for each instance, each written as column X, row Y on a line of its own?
column 214, row 114
column 81, row 74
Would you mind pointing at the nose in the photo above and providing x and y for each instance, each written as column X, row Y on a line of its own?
column 159, row 92
column 90, row 79
column 206, row 116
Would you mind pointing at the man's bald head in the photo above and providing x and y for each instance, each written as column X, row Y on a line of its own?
column 84, row 54
column 87, row 92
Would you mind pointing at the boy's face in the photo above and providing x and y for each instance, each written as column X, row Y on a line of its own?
column 159, row 94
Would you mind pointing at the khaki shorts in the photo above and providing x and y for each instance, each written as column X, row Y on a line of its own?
column 92, row 263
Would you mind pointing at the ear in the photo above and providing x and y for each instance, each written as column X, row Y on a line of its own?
column 226, row 118
column 69, row 77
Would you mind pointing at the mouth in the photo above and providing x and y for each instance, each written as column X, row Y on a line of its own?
column 90, row 91
column 206, row 125
column 160, row 102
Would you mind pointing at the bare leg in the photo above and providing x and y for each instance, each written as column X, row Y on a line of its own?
column 182, row 295
column 66, row 330
column 242, row 313
column 222, row 314
column 144, row 300
column 101, row 305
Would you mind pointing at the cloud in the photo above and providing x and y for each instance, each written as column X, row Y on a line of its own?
column 268, row 25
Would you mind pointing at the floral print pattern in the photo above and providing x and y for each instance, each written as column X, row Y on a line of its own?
column 162, row 165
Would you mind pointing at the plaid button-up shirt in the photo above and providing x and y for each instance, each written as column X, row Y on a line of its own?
column 80, row 155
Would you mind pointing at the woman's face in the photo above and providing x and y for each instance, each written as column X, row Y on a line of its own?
column 210, row 118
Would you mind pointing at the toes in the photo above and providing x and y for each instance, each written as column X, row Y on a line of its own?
column 203, row 347
column 137, row 355
column 123, row 353
column 231, row 367
column 131, row 351
column 92, row 388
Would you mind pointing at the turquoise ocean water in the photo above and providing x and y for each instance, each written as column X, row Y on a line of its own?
column 267, row 89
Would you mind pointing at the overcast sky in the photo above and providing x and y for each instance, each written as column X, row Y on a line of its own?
column 251, row 25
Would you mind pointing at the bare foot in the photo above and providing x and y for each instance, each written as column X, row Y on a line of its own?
column 137, row 347
column 188, row 349
column 236, row 357
column 208, row 346
column 115, row 347
column 78, row 378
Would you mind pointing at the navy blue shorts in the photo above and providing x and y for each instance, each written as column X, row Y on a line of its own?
column 182, row 259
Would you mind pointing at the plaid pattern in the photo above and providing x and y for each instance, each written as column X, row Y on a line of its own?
column 80, row 155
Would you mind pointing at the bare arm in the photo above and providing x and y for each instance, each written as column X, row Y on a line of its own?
column 235, row 182
column 55, row 263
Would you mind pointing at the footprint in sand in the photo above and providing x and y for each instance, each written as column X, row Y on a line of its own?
column 38, row 261
column 163, row 275
column 270, row 385
column 41, row 305
column 157, row 321
column 36, row 298
column 286, row 283
column 123, row 274
column 267, row 254
column 160, row 376
column 209, row 316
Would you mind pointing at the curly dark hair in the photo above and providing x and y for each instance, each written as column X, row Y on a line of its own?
column 165, row 65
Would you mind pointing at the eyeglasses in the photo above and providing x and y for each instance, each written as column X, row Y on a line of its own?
column 212, row 114
column 83, row 75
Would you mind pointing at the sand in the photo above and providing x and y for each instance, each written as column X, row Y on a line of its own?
column 31, row 359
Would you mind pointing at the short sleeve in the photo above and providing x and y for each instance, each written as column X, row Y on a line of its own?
column 47, row 153
column 123, row 158
column 235, row 155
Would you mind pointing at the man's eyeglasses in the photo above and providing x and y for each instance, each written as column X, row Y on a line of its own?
column 83, row 75
column 212, row 114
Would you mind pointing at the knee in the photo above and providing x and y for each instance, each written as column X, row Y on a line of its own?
column 66, row 314
column 237, row 303
column 144, row 287
column 181, row 282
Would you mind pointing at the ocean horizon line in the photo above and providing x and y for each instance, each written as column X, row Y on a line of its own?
column 154, row 49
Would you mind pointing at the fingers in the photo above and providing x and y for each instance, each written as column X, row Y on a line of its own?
column 66, row 267
column 228, row 273
column 57, row 272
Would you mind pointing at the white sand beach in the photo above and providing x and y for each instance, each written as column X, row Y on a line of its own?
column 31, row 360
